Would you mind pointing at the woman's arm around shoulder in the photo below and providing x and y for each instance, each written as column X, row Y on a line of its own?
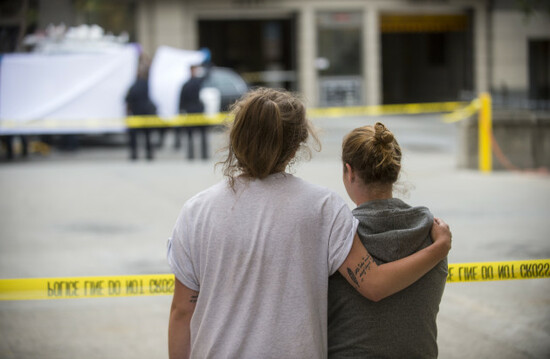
column 376, row 282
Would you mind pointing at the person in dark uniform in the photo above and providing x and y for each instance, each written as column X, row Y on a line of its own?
column 139, row 103
column 190, row 103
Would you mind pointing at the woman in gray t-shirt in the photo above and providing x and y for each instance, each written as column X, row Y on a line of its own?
column 252, row 254
column 402, row 325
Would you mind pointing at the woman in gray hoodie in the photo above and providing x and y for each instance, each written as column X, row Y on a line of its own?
column 404, row 324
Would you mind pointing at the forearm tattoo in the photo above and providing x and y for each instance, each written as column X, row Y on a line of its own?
column 358, row 275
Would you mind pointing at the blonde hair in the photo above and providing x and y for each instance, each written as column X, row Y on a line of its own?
column 373, row 153
column 269, row 127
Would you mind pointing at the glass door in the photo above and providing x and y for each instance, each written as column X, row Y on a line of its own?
column 339, row 49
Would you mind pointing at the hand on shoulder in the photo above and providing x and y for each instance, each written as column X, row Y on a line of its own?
column 442, row 236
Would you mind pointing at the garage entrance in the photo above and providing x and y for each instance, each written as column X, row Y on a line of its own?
column 426, row 58
column 263, row 51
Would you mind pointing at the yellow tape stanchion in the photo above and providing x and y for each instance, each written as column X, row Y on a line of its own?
column 485, row 130
column 163, row 284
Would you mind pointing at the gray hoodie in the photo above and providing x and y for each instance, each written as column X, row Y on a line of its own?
column 404, row 324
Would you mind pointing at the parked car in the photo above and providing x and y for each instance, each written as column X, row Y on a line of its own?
column 230, row 85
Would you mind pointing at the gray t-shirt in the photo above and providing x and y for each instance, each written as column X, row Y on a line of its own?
column 404, row 324
column 260, row 258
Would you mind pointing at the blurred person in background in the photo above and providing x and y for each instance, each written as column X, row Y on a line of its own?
column 252, row 254
column 139, row 103
column 8, row 146
column 404, row 324
column 190, row 103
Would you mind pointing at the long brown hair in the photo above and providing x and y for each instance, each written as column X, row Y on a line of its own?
column 268, row 128
column 373, row 153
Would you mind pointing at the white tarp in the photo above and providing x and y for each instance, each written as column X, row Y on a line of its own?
column 72, row 93
column 66, row 86
column 169, row 71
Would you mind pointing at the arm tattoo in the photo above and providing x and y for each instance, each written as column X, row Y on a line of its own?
column 360, row 271
column 352, row 277
column 193, row 299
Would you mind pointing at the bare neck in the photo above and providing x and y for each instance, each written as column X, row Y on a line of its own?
column 373, row 191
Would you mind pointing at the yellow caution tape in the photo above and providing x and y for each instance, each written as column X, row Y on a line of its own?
column 490, row 271
column 136, row 122
column 463, row 113
column 411, row 108
column 176, row 121
column 163, row 284
column 105, row 124
column 86, row 287
column 204, row 120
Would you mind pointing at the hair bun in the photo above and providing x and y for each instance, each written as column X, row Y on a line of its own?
column 382, row 134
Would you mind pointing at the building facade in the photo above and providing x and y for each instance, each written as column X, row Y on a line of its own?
column 346, row 52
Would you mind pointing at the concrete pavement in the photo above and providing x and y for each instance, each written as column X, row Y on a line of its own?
column 93, row 212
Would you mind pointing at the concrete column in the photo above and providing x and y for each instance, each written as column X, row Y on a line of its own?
column 307, row 52
column 481, row 56
column 372, row 57
column 189, row 26
column 145, row 31
column 168, row 23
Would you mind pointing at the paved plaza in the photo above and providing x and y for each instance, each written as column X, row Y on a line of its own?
column 93, row 212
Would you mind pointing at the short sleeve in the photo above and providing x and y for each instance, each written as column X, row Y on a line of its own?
column 343, row 231
column 179, row 255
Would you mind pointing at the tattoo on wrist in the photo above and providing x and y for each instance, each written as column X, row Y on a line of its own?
column 358, row 275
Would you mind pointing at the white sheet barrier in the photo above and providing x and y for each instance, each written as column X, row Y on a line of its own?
column 79, row 93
